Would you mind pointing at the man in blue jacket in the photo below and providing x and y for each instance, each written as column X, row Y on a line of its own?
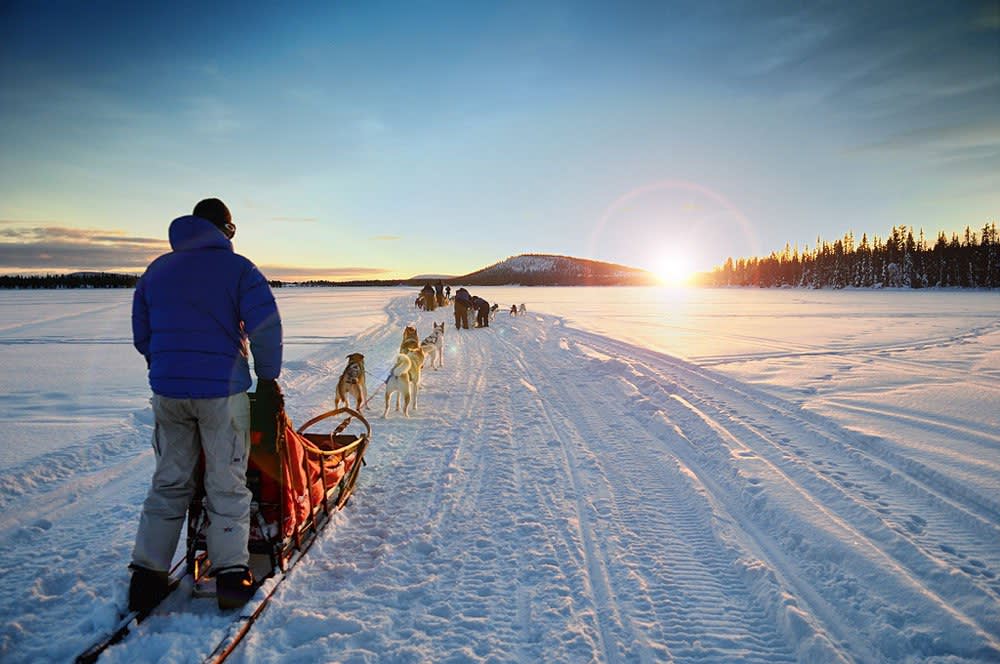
column 193, row 313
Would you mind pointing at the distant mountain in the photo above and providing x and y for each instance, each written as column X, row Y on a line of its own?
column 552, row 270
column 432, row 277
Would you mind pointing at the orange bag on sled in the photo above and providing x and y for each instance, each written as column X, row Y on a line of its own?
column 298, row 479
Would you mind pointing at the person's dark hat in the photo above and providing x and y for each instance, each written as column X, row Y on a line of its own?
column 216, row 211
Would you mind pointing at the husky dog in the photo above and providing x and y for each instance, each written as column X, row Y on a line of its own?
column 433, row 347
column 415, row 354
column 513, row 310
column 493, row 310
column 409, row 335
column 398, row 383
column 522, row 309
column 352, row 382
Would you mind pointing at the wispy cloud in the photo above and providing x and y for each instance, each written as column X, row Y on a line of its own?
column 56, row 248
column 897, row 61
column 969, row 136
column 299, row 273
column 59, row 248
column 77, row 235
column 387, row 238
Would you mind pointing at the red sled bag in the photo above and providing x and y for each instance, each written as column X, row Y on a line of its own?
column 298, row 479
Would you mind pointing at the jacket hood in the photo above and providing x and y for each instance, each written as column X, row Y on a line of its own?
column 191, row 232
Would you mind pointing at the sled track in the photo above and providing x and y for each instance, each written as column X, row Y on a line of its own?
column 403, row 540
column 986, row 438
column 899, row 517
column 698, row 608
column 594, row 558
column 882, row 351
column 77, row 314
column 859, row 446
column 634, row 514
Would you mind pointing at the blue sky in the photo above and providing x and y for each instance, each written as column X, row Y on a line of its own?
column 381, row 140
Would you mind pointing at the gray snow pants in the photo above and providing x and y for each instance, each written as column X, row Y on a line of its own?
column 221, row 428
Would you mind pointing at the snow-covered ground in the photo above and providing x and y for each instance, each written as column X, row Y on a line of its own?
column 620, row 475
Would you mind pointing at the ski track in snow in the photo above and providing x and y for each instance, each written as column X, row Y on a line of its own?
column 557, row 496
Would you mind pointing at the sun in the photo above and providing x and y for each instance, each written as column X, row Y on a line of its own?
column 674, row 269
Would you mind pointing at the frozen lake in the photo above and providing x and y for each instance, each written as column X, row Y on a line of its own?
column 623, row 474
column 70, row 370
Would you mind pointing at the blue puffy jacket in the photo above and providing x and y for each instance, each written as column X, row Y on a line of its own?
column 194, row 310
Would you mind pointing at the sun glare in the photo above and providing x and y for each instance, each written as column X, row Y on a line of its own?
column 675, row 269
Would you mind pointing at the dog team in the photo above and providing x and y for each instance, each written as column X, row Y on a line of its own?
column 403, row 381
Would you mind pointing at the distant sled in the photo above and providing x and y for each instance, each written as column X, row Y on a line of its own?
column 299, row 479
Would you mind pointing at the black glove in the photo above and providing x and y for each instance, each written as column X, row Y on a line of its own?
column 268, row 396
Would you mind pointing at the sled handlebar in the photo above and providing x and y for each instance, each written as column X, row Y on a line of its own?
column 350, row 414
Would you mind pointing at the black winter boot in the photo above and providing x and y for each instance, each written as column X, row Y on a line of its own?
column 146, row 589
column 234, row 586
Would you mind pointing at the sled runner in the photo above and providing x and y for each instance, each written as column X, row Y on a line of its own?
column 299, row 478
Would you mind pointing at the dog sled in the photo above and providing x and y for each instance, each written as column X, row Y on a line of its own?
column 299, row 479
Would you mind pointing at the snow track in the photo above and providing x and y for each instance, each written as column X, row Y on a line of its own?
column 561, row 496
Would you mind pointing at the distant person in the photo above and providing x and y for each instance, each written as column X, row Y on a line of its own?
column 194, row 313
column 463, row 301
column 428, row 296
column 439, row 293
column 447, row 292
column 482, row 308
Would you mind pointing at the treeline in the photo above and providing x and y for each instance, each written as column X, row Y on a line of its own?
column 87, row 280
column 901, row 260
column 353, row 284
column 79, row 280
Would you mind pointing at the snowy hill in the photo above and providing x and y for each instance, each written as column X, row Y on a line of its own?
column 431, row 277
column 553, row 270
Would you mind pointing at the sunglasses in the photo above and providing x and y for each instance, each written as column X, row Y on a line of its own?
column 229, row 230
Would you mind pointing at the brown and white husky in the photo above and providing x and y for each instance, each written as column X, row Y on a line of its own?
column 352, row 383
